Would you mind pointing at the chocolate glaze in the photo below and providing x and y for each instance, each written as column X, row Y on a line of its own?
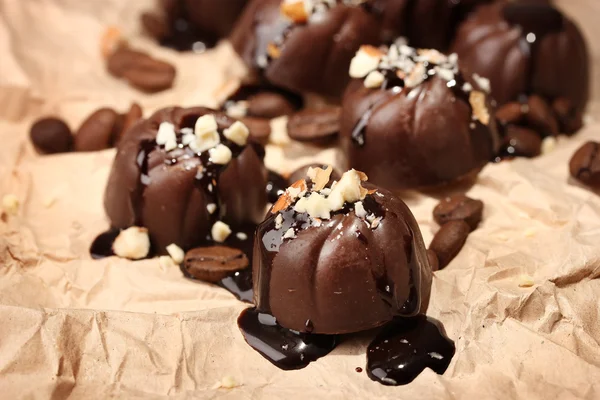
column 406, row 138
column 526, row 48
column 425, row 23
column 283, row 347
column 343, row 276
column 102, row 246
column 406, row 347
column 314, row 56
column 198, row 24
column 164, row 191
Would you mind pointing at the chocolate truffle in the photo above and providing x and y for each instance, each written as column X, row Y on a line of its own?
column 194, row 21
column 528, row 48
column 413, row 119
column 189, row 176
column 337, row 257
column 425, row 23
column 304, row 46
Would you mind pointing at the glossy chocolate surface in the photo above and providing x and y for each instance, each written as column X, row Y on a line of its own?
column 168, row 192
column 314, row 56
column 344, row 275
column 526, row 48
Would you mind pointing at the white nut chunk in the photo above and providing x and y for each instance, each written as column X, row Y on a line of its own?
column 10, row 204
column 237, row 133
column 220, row 154
column 176, row 253
column 374, row 80
column 366, row 60
column 348, row 189
column 132, row 243
column 166, row 136
column 220, row 231
column 207, row 136
column 316, row 205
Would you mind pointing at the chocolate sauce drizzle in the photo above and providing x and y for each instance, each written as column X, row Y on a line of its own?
column 284, row 348
column 406, row 347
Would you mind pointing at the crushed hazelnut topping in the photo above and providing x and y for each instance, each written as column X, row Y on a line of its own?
column 526, row 281
column 316, row 205
column 480, row 111
column 359, row 210
column 273, row 51
column 348, row 189
column 288, row 197
column 548, row 144
column 220, row 231
column 220, row 154
column 10, row 204
column 166, row 136
column 241, row 236
column 176, row 253
column 132, row 243
column 205, row 124
column 289, row 234
column 296, row 10
column 211, row 208
column 374, row 80
column 366, row 60
column 319, row 177
column 237, row 133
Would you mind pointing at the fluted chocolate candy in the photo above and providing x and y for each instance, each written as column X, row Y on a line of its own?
column 188, row 176
column 339, row 257
column 528, row 48
column 413, row 119
column 425, row 23
column 304, row 46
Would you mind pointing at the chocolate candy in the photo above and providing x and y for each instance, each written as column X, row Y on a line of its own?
column 528, row 48
column 459, row 208
column 585, row 165
column 412, row 118
column 188, row 176
column 304, row 46
column 338, row 259
column 425, row 23
column 51, row 135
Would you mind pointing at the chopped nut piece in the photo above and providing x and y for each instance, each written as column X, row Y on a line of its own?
column 483, row 83
column 211, row 208
column 359, row 210
column 480, row 111
column 548, row 144
column 132, row 243
column 228, row 382
column 239, row 109
column 111, row 39
column 526, row 281
column 220, row 231
column 374, row 80
column 176, row 253
column 278, row 221
column 205, row 124
column 205, row 141
column 316, row 205
column 348, row 189
column 220, row 154
column 320, row 177
column 295, row 10
column 241, row 236
column 416, row 77
column 166, row 262
column 273, row 51
column 237, row 133
column 10, row 204
column 188, row 138
column 291, row 193
column 366, row 60
column 166, row 136
column 289, row 234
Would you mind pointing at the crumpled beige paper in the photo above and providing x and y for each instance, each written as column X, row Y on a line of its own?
column 78, row 328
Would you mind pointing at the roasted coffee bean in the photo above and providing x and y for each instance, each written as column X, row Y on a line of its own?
column 301, row 173
column 510, row 113
column 154, row 25
column 313, row 125
column 540, row 115
column 449, row 240
column 97, row 131
column 433, row 260
column 570, row 120
column 522, row 142
column 133, row 115
column 585, row 164
column 459, row 208
column 51, row 135
column 260, row 128
column 269, row 105
column 141, row 70
column 211, row 264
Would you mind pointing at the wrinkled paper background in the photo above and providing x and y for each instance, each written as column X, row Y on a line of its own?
column 73, row 327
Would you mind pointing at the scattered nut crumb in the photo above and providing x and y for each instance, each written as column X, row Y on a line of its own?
column 176, row 253
column 526, row 281
column 483, row 83
column 548, row 144
column 220, row 231
column 366, row 60
column 480, row 111
column 237, row 133
column 220, row 154
column 295, row 10
column 227, row 382
column 530, row 232
column 348, row 189
column 278, row 221
column 211, row 208
column 316, row 205
column 320, row 177
column 273, row 51
column 241, row 236
column 166, row 262
column 132, row 243
column 289, row 234
column 291, row 193
column 166, row 136
column 359, row 210
column 374, row 80
column 10, row 204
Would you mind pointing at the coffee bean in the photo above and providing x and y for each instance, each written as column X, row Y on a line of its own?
column 312, row 125
column 154, row 25
column 510, row 113
column 540, row 115
column 260, row 128
column 141, row 70
column 301, row 173
column 585, row 164
column 133, row 115
column 51, row 136
column 97, row 131
column 521, row 142
column 269, row 105
column 433, row 260
column 211, row 264
column 449, row 240
column 459, row 208
column 570, row 120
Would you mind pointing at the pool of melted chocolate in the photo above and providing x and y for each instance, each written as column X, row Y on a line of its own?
column 284, row 348
column 407, row 346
